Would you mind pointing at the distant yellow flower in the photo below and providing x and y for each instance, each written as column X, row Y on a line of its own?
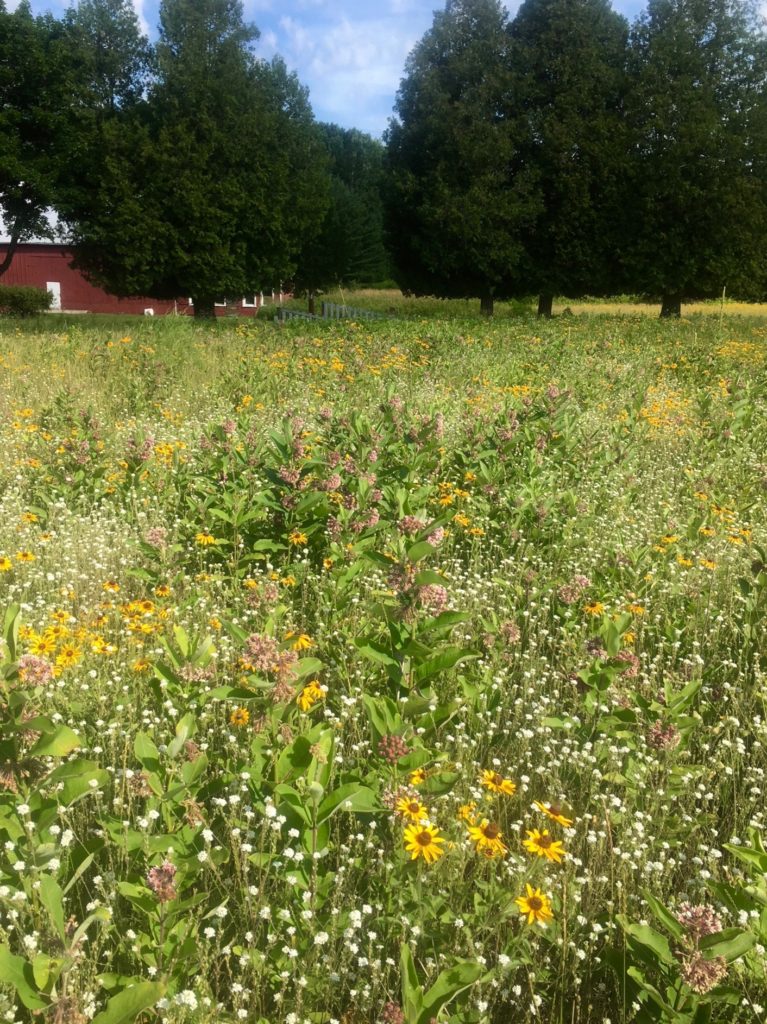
column 327, row 563
column 411, row 807
column 488, row 839
column 541, row 844
column 239, row 718
column 111, row 587
column 162, row 591
column 418, row 777
column 309, row 696
column 42, row 645
column 595, row 608
column 68, row 656
column 214, row 623
column 423, row 841
column 706, row 563
column 302, row 641
column 297, row 538
column 5, row 563
column 637, row 609
column 466, row 812
column 670, row 538
column 497, row 784
column 25, row 556
column 686, row 562
column 141, row 665
column 554, row 811
column 535, row 906
column 203, row 539
column 707, row 531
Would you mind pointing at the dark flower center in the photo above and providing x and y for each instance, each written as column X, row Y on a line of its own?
column 491, row 831
column 535, row 903
column 423, row 838
column 544, row 842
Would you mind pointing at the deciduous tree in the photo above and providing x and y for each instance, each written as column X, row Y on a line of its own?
column 459, row 193
column 38, row 79
column 209, row 185
column 568, row 57
column 695, row 207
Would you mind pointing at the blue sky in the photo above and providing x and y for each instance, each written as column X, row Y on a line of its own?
column 349, row 52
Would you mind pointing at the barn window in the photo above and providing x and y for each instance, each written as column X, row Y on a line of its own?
column 250, row 302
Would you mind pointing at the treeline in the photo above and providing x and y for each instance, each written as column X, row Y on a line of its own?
column 559, row 152
column 185, row 168
column 564, row 152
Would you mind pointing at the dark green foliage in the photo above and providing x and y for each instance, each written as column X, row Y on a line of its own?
column 695, row 207
column 208, row 186
column 115, row 57
column 19, row 300
column 37, row 82
column 568, row 59
column 459, row 192
column 350, row 246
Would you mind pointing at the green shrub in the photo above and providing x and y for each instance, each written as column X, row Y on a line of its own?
column 21, row 300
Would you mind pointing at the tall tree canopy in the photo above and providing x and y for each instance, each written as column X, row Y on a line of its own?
column 349, row 248
column 209, row 184
column 696, row 209
column 568, row 57
column 459, row 193
column 38, row 79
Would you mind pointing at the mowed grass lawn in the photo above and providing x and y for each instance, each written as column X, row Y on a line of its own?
column 384, row 673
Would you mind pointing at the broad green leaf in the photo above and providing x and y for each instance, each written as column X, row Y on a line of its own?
column 650, row 939
column 17, row 972
column 307, row 667
column 182, row 639
column 447, row 986
column 145, row 750
column 664, row 916
column 125, row 1007
column 749, row 855
column 731, row 943
column 11, row 630
column 42, row 968
column 412, row 992
column 59, row 743
column 375, row 652
column 420, row 550
column 185, row 728
column 52, row 898
column 441, row 662
column 350, row 797
column 78, row 786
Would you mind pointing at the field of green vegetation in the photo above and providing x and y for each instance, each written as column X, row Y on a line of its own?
column 387, row 673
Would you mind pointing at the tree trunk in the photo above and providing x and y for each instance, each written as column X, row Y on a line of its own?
column 13, row 242
column 671, row 305
column 545, row 302
column 486, row 305
column 204, row 308
column 312, row 303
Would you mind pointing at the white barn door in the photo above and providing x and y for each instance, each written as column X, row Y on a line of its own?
column 54, row 287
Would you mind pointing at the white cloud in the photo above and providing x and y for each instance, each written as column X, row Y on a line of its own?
column 352, row 64
column 138, row 7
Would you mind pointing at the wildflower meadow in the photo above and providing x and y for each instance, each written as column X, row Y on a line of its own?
column 398, row 672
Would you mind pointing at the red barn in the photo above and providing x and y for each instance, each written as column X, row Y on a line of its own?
column 48, row 265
